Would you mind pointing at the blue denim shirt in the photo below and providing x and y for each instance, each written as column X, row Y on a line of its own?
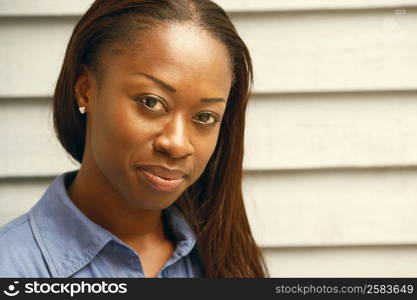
column 55, row 239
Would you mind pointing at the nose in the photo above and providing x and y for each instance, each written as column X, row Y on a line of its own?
column 174, row 139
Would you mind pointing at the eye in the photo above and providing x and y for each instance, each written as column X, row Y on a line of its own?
column 207, row 118
column 152, row 103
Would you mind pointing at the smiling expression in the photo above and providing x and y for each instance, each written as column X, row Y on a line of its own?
column 154, row 115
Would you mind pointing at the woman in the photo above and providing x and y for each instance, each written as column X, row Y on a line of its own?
column 151, row 101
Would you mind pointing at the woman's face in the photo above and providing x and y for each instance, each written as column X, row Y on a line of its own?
column 154, row 118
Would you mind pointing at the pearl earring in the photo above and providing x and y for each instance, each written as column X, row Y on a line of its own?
column 82, row 109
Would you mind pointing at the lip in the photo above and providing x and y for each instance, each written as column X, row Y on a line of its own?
column 161, row 178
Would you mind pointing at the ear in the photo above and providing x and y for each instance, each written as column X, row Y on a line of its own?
column 84, row 88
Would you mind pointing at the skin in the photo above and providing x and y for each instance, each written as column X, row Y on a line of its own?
column 124, row 130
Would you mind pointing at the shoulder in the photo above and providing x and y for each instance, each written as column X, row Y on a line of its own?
column 20, row 255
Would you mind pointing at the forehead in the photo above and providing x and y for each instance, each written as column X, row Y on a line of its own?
column 180, row 52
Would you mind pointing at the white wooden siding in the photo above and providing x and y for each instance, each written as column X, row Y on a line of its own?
column 331, row 140
column 387, row 261
column 369, row 50
column 77, row 7
column 331, row 130
column 333, row 207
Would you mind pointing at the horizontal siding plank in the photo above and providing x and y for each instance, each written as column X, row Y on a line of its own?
column 283, row 132
column 31, row 55
column 24, row 8
column 331, row 130
column 78, row 7
column 382, row 261
column 292, row 52
column 332, row 51
column 333, row 207
column 300, row 209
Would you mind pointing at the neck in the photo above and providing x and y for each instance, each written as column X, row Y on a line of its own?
column 99, row 201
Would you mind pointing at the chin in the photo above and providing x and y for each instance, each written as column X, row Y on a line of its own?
column 153, row 203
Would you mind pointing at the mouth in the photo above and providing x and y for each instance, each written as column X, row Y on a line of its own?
column 161, row 179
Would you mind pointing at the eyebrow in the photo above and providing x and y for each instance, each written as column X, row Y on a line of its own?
column 212, row 100
column 160, row 82
column 173, row 90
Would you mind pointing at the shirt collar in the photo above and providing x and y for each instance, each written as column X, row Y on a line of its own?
column 69, row 240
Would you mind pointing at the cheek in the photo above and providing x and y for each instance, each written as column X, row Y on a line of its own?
column 117, row 135
column 204, row 149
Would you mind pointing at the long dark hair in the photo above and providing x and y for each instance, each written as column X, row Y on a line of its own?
column 214, row 204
